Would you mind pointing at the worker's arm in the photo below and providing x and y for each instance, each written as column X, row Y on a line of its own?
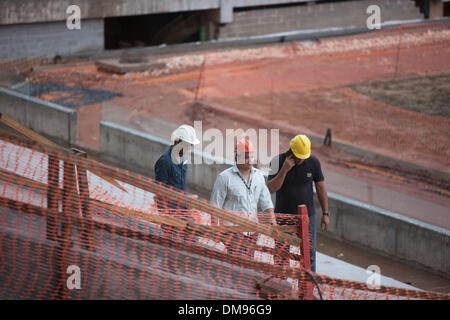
column 276, row 182
column 271, row 214
column 162, row 175
column 218, row 196
column 162, row 171
column 323, row 200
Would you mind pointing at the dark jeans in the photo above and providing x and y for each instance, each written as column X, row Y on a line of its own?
column 312, row 241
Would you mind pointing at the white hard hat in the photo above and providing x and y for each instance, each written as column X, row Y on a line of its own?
column 186, row 133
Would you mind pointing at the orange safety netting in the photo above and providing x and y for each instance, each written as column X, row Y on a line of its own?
column 74, row 228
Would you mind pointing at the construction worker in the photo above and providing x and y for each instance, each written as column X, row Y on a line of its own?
column 291, row 177
column 171, row 167
column 242, row 188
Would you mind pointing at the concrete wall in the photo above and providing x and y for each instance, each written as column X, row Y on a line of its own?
column 394, row 162
column 388, row 233
column 369, row 227
column 52, row 38
column 269, row 20
column 54, row 121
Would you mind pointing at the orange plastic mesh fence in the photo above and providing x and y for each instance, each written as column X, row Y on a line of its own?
column 73, row 228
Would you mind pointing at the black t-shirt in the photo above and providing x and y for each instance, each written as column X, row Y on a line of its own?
column 297, row 187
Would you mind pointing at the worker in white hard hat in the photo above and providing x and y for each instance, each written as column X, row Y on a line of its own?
column 171, row 166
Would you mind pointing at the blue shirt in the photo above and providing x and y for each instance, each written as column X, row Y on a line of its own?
column 170, row 173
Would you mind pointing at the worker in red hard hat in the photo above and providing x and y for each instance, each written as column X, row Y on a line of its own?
column 242, row 188
column 245, row 154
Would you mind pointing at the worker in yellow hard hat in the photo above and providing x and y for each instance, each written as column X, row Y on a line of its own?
column 291, row 177
column 242, row 190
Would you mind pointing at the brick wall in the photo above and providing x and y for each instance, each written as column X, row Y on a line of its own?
column 258, row 21
column 52, row 38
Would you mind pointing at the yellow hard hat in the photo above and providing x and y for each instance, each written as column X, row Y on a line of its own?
column 301, row 146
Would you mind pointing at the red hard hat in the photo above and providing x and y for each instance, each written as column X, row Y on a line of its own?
column 244, row 145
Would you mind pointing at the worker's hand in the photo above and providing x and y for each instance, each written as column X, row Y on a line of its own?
column 324, row 223
column 288, row 163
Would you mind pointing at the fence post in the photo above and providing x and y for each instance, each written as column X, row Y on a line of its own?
column 304, row 246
